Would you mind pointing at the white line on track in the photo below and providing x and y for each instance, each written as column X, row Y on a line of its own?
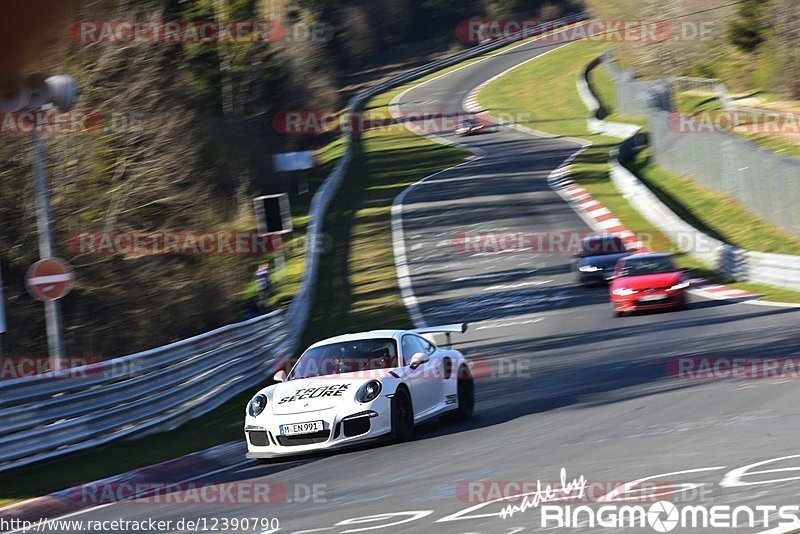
column 508, row 324
column 794, row 526
column 501, row 252
column 517, row 285
column 495, row 275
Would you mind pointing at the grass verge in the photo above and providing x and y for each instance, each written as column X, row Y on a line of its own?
column 779, row 145
column 714, row 213
column 558, row 109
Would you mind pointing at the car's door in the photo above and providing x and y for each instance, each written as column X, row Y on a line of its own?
column 425, row 380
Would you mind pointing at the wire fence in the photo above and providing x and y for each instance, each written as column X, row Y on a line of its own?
column 765, row 182
column 778, row 270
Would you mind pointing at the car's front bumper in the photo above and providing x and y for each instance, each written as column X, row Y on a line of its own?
column 341, row 428
column 669, row 300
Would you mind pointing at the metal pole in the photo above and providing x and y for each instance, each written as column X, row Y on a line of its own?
column 52, row 310
column 2, row 310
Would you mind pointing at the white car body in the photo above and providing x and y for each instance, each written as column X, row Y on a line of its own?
column 470, row 127
column 304, row 404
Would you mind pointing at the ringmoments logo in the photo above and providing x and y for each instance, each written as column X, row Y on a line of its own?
column 664, row 516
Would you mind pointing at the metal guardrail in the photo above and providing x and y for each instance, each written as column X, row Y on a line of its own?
column 46, row 416
column 593, row 122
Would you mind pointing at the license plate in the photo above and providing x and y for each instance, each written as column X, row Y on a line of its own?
column 302, row 428
column 650, row 298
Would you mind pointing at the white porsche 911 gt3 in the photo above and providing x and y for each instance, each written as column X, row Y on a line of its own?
column 358, row 387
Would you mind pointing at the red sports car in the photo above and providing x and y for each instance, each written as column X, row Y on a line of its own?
column 647, row 281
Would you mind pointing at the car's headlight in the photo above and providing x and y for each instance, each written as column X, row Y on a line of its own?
column 678, row 287
column 624, row 292
column 589, row 269
column 257, row 405
column 369, row 391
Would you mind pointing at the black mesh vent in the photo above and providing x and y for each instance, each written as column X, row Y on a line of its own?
column 356, row 427
column 258, row 438
column 304, row 439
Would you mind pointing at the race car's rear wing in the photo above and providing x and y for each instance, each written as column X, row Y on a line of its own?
column 448, row 330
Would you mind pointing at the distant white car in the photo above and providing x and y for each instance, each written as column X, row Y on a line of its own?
column 358, row 387
column 470, row 126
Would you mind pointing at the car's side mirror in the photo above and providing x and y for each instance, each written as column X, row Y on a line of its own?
column 418, row 359
column 280, row 376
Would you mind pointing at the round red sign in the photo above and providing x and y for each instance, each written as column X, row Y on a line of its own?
column 49, row 279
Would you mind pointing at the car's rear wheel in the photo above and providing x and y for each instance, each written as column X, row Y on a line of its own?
column 466, row 394
column 402, row 416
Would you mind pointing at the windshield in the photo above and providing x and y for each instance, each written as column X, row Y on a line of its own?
column 347, row 357
column 599, row 246
column 652, row 265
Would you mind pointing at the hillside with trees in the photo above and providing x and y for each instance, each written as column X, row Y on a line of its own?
column 186, row 141
column 755, row 44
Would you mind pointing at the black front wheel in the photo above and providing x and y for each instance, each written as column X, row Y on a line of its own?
column 402, row 416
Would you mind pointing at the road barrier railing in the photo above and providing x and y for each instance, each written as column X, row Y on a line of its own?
column 48, row 415
column 594, row 122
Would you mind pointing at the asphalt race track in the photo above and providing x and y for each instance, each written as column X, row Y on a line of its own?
column 565, row 384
